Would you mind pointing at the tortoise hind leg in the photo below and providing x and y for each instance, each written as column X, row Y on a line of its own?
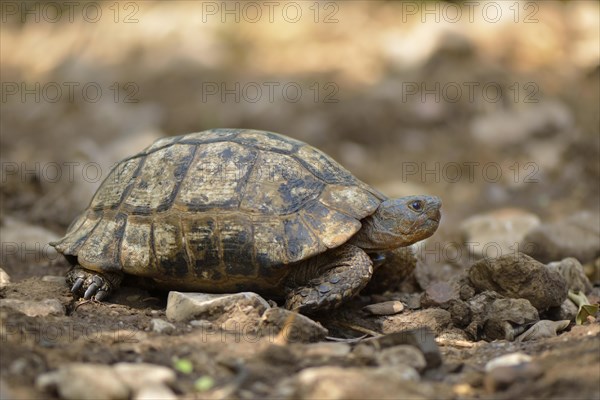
column 329, row 279
column 85, row 283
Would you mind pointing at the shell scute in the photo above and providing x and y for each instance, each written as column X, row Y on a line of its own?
column 170, row 252
column 323, row 166
column 279, row 185
column 157, row 182
column 268, row 141
column 216, row 178
column 110, row 193
column 333, row 227
column 100, row 251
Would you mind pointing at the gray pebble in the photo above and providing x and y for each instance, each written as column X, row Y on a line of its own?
column 79, row 381
column 402, row 355
column 160, row 326
column 4, row 279
column 385, row 308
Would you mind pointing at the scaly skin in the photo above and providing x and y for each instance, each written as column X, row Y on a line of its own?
column 340, row 274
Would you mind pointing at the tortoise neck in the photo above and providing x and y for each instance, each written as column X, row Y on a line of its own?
column 372, row 237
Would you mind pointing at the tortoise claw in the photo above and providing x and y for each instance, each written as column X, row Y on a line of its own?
column 77, row 285
column 101, row 295
column 91, row 290
column 90, row 284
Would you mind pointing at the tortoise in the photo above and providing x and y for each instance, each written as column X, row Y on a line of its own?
column 229, row 210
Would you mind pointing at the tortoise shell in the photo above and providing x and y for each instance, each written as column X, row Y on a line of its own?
column 218, row 205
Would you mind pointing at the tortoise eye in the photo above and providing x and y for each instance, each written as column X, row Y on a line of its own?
column 416, row 205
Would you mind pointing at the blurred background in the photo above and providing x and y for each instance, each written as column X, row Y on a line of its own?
column 486, row 104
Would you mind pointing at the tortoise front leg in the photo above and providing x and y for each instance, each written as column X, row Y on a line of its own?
column 85, row 283
column 329, row 279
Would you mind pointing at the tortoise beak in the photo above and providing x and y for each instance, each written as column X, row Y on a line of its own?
column 435, row 216
column 433, row 208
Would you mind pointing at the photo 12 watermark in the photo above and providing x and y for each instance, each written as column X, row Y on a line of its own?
column 469, row 172
column 470, row 91
column 490, row 12
column 53, row 333
column 468, row 252
column 69, row 91
column 51, row 172
column 126, row 12
column 269, row 91
column 37, row 253
column 326, row 12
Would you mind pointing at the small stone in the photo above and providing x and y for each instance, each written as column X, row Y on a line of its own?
column 364, row 353
column 35, row 308
column 447, row 295
column 153, row 392
column 500, row 378
column 503, row 314
column 572, row 271
column 544, row 329
column 59, row 280
column 439, row 294
column 465, row 289
column 507, row 360
column 494, row 316
column 202, row 324
column 227, row 310
column 79, row 381
column 139, row 375
column 504, row 228
column 402, row 355
column 385, row 308
column 460, row 312
column 326, row 350
column 520, row 276
column 517, row 311
column 576, row 236
column 290, row 327
column 412, row 301
column 435, row 319
column 161, row 326
column 567, row 311
column 19, row 366
column 399, row 372
column 480, row 302
column 46, row 382
column 343, row 383
column 4, row 279
column 503, row 371
column 420, row 338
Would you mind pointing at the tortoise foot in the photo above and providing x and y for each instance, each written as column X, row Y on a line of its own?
column 89, row 284
column 342, row 275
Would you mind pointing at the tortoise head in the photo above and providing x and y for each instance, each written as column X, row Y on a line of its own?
column 399, row 222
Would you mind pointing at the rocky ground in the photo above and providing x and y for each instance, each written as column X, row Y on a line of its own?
column 499, row 304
